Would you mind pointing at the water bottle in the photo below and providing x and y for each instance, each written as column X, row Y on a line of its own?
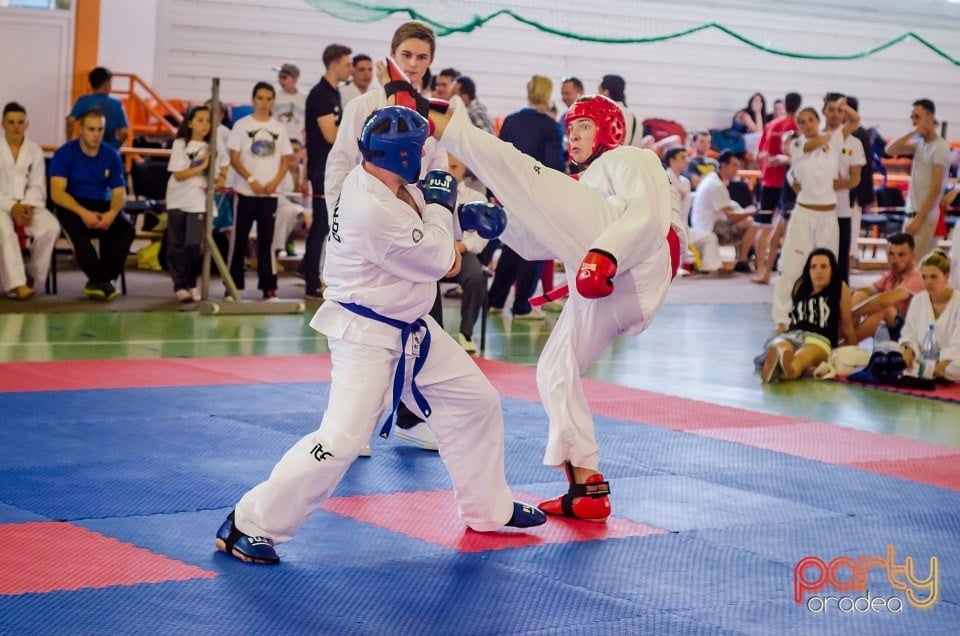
column 929, row 354
column 881, row 338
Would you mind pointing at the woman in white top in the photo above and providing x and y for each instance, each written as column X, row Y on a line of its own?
column 186, row 202
column 815, row 159
column 938, row 305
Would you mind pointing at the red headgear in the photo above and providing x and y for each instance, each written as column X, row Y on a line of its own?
column 607, row 117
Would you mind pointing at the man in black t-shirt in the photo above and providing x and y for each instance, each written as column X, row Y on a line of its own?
column 321, row 121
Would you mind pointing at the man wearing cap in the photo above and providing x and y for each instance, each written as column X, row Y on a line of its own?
column 290, row 104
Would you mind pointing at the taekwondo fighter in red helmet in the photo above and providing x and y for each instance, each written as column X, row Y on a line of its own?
column 618, row 229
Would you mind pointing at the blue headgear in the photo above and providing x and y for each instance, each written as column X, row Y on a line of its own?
column 392, row 138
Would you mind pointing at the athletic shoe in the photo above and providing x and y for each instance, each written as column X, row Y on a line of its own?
column 419, row 435
column 366, row 451
column 269, row 294
column 20, row 292
column 183, row 295
column 467, row 344
column 110, row 292
column 526, row 516
column 244, row 547
column 94, row 291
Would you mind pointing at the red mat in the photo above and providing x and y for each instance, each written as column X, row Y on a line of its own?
column 945, row 392
column 81, row 559
column 430, row 516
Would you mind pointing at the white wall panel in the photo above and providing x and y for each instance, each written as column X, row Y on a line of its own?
column 37, row 48
column 699, row 80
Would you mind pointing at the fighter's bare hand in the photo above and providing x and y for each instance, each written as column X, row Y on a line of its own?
column 457, row 263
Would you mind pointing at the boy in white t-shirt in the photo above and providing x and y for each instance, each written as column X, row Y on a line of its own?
column 260, row 152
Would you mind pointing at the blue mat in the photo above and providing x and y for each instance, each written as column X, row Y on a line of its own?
column 159, row 468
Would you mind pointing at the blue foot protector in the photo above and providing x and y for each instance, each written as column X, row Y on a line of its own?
column 246, row 548
column 526, row 516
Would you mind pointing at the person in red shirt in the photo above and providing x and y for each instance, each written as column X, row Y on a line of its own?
column 773, row 166
column 889, row 297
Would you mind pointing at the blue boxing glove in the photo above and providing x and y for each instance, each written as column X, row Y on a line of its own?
column 487, row 219
column 439, row 186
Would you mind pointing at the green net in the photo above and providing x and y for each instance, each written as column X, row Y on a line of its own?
column 603, row 23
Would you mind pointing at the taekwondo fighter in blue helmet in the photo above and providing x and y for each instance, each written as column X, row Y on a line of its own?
column 391, row 239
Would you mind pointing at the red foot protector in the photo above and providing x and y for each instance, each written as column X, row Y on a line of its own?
column 588, row 501
column 49, row 556
column 432, row 516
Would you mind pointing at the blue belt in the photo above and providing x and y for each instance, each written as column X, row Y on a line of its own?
column 405, row 330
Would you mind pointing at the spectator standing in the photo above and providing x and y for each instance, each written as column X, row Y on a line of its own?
column 187, row 201
column 536, row 134
column 446, row 81
column 260, row 152
column 614, row 87
column 361, row 78
column 775, row 193
column 116, row 126
column 815, row 159
column 290, row 104
column 467, row 90
column 324, row 113
column 928, row 174
column 851, row 161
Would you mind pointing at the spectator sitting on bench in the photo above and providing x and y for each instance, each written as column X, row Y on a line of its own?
column 714, row 211
column 23, row 212
column 88, row 186
column 889, row 297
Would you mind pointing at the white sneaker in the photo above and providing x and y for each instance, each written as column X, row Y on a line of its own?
column 420, row 435
column 366, row 451
column 183, row 295
column 468, row 345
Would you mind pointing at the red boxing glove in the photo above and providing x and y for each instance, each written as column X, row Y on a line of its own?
column 595, row 278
